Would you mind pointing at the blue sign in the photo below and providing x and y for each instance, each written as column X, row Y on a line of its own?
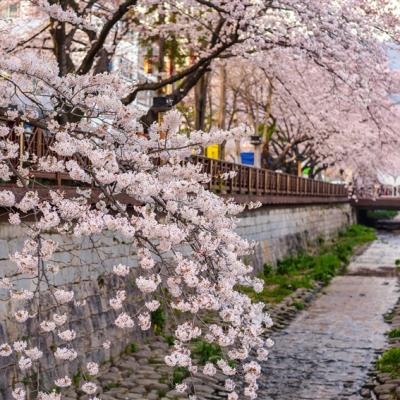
column 247, row 158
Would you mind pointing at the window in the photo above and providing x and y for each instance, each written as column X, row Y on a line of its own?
column 126, row 69
column 11, row 11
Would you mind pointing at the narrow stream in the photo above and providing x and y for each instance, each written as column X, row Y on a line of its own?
column 326, row 352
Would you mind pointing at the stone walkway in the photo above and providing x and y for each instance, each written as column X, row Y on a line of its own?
column 326, row 353
column 142, row 374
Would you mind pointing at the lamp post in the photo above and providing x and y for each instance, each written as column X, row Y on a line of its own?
column 161, row 104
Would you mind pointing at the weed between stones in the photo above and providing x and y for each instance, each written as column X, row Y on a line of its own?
column 389, row 362
column 394, row 333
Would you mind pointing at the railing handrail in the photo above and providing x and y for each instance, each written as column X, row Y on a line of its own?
column 264, row 169
column 252, row 180
column 249, row 180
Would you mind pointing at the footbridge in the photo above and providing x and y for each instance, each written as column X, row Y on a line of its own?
column 377, row 203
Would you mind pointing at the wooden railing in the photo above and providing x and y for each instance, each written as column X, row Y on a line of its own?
column 261, row 182
column 35, row 141
column 248, row 180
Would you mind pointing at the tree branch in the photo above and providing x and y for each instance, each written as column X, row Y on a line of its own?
column 88, row 60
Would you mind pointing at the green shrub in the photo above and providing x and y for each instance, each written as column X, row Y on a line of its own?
column 303, row 270
column 389, row 362
column 381, row 214
column 179, row 374
column 158, row 319
column 131, row 348
column 169, row 339
column 299, row 305
column 326, row 266
column 394, row 333
column 206, row 352
column 397, row 263
column 268, row 268
column 112, row 385
column 294, row 263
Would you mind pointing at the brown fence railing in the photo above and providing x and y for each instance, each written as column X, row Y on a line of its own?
column 257, row 181
column 248, row 180
column 35, row 141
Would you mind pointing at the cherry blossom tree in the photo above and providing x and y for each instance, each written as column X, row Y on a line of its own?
column 306, row 114
column 83, row 38
column 143, row 187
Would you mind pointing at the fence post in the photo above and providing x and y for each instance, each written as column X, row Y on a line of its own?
column 211, row 173
column 240, row 174
column 21, row 147
column 39, row 140
column 257, row 181
column 249, row 182
column 231, row 181
column 278, row 182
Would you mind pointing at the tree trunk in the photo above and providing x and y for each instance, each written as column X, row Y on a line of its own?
column 200, row 95
column 222, row 106
column 222, row 98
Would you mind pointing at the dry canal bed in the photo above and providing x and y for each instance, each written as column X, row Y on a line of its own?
column 326, row 352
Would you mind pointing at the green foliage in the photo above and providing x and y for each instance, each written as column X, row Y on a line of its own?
column 179, row 374
column 161, row 393
column 326, row 266
column 25, row 380
column 360, row 233
column 206, row 352
column 299, row 305
column 101, row 281
column 303, row 270
column 294, row 263
column 381, row 214
column 158, row 319
column 388, row 317
column 112, row 385
column 76, row 378
column 397, row 262
column 131, row 348
column 394, row 333
column 389, row 362
column 268, row 268
column 169, row 339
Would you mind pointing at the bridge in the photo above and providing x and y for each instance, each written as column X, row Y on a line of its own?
column 378, row 203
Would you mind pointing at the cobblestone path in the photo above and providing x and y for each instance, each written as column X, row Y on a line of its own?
column 326, row 352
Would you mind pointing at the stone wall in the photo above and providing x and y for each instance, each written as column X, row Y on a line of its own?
column 83, row 266
column 281, row 231
column 84, row 263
